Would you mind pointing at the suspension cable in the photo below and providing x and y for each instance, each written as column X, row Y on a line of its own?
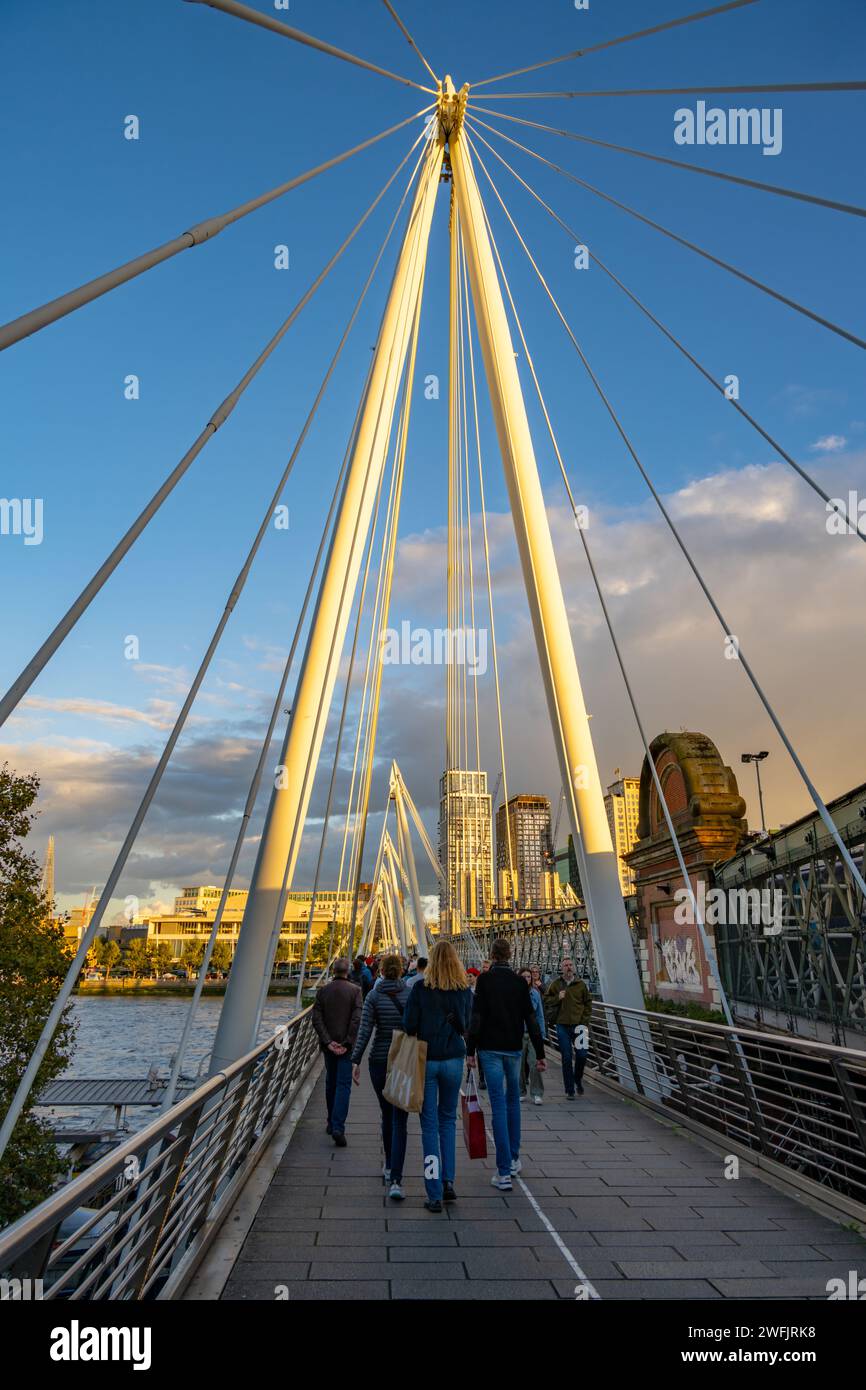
column 813, row 792
column 832, row 503
column 374, row 706
column 350, row 816
column 709, row 949
column 77, row 963
column 486, row 543
column 692, row 91
column 20, row 686
column 464, row 320
column 612, row 43
column 276, row 26
column 408, row 37
column 690, row 245
column 255, row 783
column 851, row 208
column 205, row 230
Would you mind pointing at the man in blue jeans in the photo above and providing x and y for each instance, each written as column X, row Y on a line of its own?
column 502, row 1008
column 568, row 1003
column 336, row 1016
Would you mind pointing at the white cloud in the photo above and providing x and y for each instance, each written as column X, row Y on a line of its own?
column 829, row 444
column 792, row 593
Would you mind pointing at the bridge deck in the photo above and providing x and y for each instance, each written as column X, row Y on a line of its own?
column 642, row 1209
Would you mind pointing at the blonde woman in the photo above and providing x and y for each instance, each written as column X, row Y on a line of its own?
column 438, row 1013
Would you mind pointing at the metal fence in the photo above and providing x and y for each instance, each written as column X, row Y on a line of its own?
column 135, row 1225
column 790, row 1101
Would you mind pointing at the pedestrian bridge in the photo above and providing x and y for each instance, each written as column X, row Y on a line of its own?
column 238, row 1193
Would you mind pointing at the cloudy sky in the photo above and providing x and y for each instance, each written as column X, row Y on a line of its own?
column 223, row 113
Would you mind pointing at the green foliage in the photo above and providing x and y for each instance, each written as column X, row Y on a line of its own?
column 163, row 957
column 138, row 959
column 192, row 956
column 107, row 956
column 654, row 1005
column 221, row 957
column 33, row 964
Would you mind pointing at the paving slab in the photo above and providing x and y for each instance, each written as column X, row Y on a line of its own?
column 642, row 1209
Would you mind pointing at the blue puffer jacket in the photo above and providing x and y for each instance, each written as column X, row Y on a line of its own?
column 440, row 1017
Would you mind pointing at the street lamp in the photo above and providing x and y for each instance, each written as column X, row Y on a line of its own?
column 757, row 759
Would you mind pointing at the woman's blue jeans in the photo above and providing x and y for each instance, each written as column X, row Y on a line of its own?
column 439, row 1123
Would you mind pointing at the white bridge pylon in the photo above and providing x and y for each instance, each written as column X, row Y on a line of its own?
column 620, row 983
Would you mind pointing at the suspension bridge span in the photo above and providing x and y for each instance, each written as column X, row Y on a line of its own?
column 627, row 1195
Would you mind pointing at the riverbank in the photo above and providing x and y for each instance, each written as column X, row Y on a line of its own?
column 172, row 988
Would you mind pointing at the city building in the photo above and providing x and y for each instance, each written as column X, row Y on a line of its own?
column 76, row 920
column 622, row 804
column 526, row 823
column 465, row 848
column 195, row 909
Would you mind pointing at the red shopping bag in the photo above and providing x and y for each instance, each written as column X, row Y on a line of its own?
column 473, row 1119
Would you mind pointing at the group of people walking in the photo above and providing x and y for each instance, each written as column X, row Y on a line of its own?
column 491, row 1022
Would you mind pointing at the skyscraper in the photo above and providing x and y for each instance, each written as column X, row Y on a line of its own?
column 621, row 804
column 465, row 848
column 527, row 824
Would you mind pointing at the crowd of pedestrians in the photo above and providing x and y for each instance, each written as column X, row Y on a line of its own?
column 489, row 1022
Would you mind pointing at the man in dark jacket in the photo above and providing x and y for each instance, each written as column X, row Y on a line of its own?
column 501, row 1010
column 336, row 1016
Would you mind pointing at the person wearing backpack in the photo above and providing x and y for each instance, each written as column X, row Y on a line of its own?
column 568, row 1006
column 438, row 1013
column 381, row 1015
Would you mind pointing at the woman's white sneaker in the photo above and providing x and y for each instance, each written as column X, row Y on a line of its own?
column 503, row 1184
column 395, row 1192
column 516, row 1166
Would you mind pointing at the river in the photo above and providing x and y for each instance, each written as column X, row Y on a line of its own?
column 127, row 1036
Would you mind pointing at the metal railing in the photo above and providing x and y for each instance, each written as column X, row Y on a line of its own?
column 791, row 1102
column 138, row 1222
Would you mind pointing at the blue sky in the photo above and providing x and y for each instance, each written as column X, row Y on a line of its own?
column 227, row 111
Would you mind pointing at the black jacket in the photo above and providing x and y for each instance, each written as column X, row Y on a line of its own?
column 501, row 1010
column 383, row 1011
column 440, row 1018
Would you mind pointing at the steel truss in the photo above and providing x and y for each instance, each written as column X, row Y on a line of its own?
column 815, row 967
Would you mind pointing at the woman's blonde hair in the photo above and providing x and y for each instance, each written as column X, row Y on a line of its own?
column 391, row 968
column 445, row 970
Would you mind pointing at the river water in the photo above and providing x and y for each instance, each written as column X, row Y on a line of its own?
column 127, row 1036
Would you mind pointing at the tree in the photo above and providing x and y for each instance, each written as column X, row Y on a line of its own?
column 192, row 956
column 221, row 957
column 33, row 964
column 108, row 955
column 137, row 958
column 163, row 957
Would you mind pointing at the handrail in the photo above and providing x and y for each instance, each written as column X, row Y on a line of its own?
column 153, row 1194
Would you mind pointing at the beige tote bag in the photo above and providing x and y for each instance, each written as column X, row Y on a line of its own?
column 407, row 1063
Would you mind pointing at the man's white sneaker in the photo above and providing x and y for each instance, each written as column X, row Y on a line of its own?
column 516, row 1166
column 386, row 1174
column 536, row 1100
column 503, row 1184
column 395, row 1192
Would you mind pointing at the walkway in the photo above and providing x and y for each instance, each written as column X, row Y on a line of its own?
column 637, row 1208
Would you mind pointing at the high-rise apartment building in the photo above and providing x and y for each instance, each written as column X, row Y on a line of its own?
column 621, row 804
column 526, row 822
column 465, row 848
